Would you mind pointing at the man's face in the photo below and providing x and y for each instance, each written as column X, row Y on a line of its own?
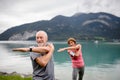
column 40, row 38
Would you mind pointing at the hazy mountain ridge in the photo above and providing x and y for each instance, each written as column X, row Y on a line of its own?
column 81, row 26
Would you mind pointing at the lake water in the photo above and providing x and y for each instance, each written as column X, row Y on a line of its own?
column 102, row 60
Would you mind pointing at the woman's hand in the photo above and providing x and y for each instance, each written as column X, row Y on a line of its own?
column 61, row 49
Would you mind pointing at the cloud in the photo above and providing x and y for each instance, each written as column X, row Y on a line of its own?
column 17, row 12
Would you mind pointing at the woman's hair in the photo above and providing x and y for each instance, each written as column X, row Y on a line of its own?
column 71, row 39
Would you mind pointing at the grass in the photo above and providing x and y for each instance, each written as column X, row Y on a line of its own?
column 14, row 77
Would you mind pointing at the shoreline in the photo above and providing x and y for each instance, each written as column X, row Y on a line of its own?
column 15, row 73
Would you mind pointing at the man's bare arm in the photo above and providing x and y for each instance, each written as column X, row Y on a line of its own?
column 43, row 60
column 34, row 49
column 21, row 49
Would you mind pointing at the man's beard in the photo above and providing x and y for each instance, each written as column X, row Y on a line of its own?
column 41, row 44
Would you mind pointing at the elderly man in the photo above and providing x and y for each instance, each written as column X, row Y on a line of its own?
column 41, row 57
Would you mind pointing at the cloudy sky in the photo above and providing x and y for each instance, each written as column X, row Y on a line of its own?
column 17, row 12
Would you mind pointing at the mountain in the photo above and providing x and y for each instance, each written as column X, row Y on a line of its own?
column 101, row 26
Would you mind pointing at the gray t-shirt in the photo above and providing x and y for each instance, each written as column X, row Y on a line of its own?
column 42, row 73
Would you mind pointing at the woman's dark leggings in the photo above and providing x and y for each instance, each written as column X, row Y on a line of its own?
column 79, row 71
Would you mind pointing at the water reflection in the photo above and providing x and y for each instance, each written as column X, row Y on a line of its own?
column 103, row 72
column 102, row 60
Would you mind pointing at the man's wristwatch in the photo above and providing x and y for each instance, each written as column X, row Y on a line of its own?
column 30, row 49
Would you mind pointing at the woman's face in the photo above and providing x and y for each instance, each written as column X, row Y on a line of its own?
column 71, row 43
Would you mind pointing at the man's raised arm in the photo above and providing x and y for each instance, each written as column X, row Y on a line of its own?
column 43, row 60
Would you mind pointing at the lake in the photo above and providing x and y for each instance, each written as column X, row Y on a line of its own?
column 102, row 60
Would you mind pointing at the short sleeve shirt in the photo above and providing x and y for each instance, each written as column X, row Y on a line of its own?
column 39, row 72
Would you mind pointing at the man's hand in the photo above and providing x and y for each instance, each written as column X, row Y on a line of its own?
column 21, row 49
column 51, row 48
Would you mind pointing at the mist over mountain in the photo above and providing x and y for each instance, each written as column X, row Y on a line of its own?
column 82, row 26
